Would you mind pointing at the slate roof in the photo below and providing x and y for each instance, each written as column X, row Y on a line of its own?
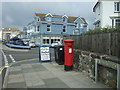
column 96, row 5
column 71, row 19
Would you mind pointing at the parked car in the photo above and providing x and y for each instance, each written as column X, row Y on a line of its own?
column 19, row 42
column 26, row 43
column 32, row 44
column 3, row 41
column 56, row 43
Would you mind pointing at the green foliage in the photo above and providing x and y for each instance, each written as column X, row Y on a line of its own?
column 101, row 30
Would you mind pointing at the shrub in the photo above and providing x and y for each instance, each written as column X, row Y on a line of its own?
column 101, row 30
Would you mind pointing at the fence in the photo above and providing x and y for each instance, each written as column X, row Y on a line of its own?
column 104, row 43
column 99, row 55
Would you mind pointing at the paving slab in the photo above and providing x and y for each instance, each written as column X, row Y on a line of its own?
column 15, row 78
column 17, row 68
column 17, row 85
column 55, row 83
column 32, row 79
column 45, row 75
column 26, row 66
column 32, row 74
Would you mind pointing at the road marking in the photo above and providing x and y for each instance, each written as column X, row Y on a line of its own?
column 11, row 57
column 23, row 61
column 1, row 70
column 5, row 58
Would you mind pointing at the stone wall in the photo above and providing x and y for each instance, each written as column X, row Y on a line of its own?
column 105, row 70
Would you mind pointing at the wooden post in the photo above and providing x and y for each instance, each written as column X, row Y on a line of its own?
column 118, row 76
column 109, row 52
column 96, row 70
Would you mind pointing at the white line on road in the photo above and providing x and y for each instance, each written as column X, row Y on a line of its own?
column 11, row 57
column 1, row 70
column 5, row 58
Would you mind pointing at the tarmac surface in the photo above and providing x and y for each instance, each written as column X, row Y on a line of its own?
column 33, row 74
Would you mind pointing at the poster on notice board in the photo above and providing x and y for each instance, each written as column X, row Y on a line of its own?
column 44, row 53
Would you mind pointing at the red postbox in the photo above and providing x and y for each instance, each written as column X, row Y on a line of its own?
column 68, row 54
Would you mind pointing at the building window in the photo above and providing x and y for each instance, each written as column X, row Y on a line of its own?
column 117, row 6
column 81, row 25
column 38, row 19
column 117, row 22
column 53, row 40
column 48, row 28
column 63, row 19
column 45, row 41
column 48, row 18
column 37, row 28
column 76, row 25
column 64, row 28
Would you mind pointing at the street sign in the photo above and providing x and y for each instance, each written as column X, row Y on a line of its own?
column 44, row 53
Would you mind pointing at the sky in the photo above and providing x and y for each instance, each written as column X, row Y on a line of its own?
column 19, row 14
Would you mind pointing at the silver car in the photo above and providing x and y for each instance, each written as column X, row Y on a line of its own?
column 56, row 43
column 32, row 44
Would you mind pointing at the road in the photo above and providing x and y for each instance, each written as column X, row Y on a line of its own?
column 21, row 55
column 14, row 55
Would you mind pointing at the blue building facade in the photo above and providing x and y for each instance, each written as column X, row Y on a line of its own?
column 47, row 28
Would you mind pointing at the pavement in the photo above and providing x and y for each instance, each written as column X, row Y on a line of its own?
column 1, row 79
column 33, row 74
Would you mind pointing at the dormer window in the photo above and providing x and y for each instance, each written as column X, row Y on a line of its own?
column 48, row 18
column 63, row 19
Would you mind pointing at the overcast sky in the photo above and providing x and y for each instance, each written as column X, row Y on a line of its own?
column 19, row 14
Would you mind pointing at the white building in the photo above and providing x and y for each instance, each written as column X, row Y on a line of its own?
column 107, row 13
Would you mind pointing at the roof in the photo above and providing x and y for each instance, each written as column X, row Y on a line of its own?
column 96, row 5
column 10, row 29
column 71, row 19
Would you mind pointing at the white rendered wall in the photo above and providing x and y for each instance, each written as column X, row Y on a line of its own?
column 106, row 11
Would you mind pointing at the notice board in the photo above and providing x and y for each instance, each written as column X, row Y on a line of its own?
column 44, row 53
